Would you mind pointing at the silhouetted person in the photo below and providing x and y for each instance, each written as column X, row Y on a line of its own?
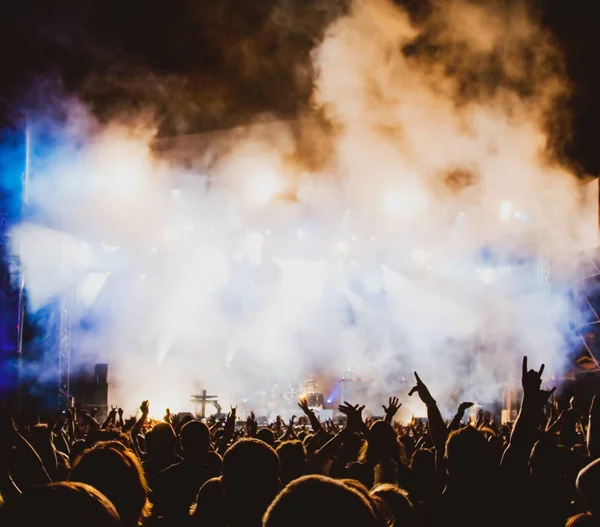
column 61, row 504
column 177, row 486
column 318, row 501
column 588, row 487
column 209, row 510
column 292, row 457
column 266, row 435
column 250, row 481
column 161, row 451
column 382, row 450
column 472, row 477
column 116, row 472
column 397, row 505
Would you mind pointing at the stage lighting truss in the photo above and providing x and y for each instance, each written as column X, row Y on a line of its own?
column 587, row 295
column 64, row 353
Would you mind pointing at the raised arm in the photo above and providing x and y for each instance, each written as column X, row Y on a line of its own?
column 593, row 430
column 460, row 413
column 391, row 409
column 437, row 426
column 137, row 427
column 110, row 418
column 314, row 422
column 228, row 430
column 24, row 467
column 525, row 430
column 290, row 432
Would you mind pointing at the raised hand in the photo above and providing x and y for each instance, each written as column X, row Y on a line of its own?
column 303, row 404
column 251, row 425
column 479, row 421
column 422, row 390
column 463, row 407
column 393, row 406
column 531, row 380
column 145, row 407
column 120, row 412
column 353, row 413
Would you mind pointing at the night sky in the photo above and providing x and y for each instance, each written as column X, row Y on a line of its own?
column 205, row 64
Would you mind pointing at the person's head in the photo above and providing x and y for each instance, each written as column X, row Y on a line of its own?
column 118, row 475
column 397, row 504
column 581, row 520
column 67, row 504
column 588, row 487
column 374, row 502
column 209, row 506
column 382, row 444
column 266, row 435
column 497, row 446
column 250, row 480
column 103, row 436
column 468, row 456
column 162, row 441
column 292, row 456
column 319, row 501
column 422, row 465
column 195, row 439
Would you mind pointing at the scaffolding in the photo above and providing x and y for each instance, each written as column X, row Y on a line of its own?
column 64, row 355
column 66, row 306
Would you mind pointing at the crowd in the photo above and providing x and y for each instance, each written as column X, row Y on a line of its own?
column 543, row 470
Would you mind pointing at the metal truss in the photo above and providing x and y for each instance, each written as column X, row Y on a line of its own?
column 64, row 354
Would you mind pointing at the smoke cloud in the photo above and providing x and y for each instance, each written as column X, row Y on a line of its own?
column 405, row 222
